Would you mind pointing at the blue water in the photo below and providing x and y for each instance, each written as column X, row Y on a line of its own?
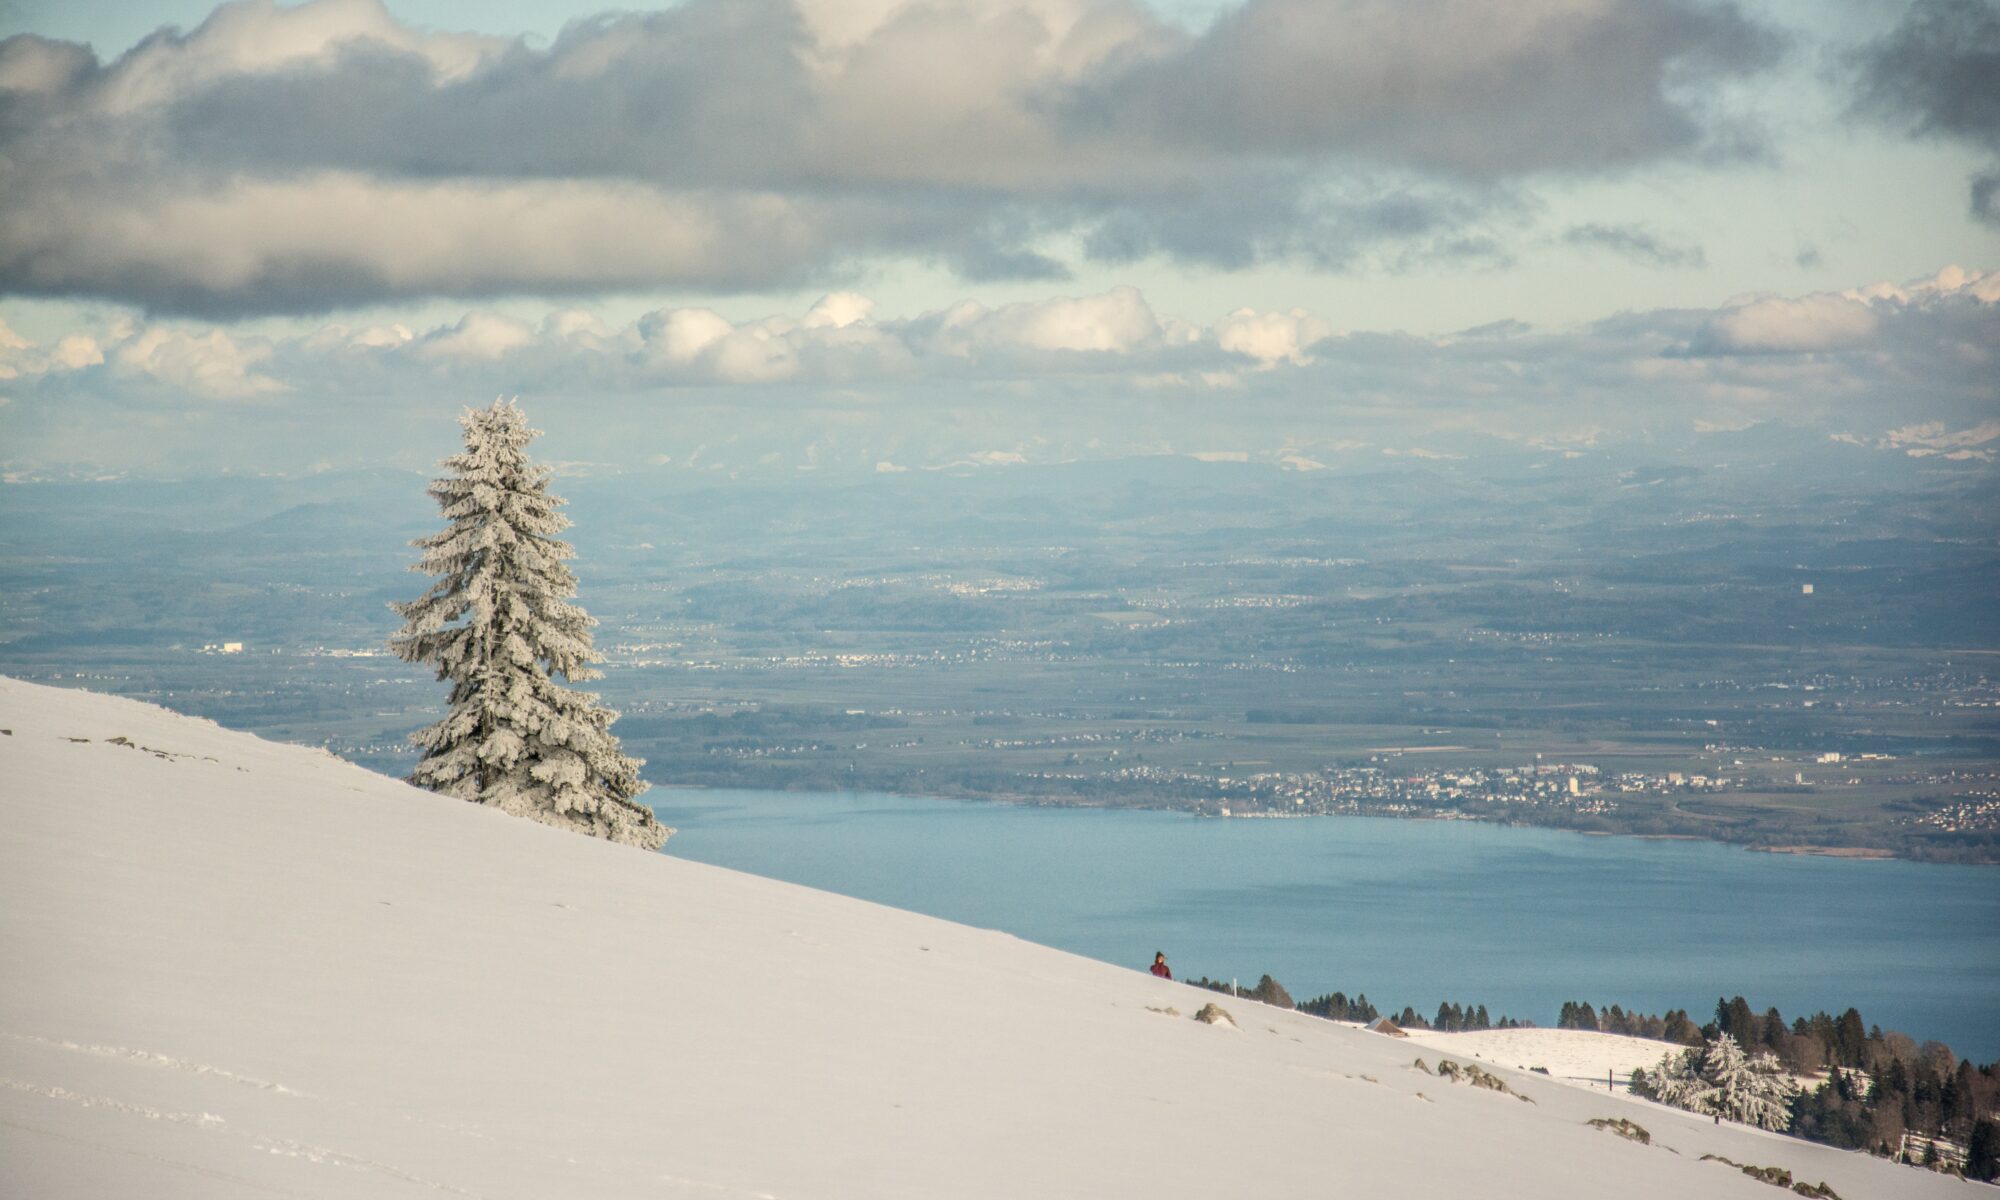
column 1410, row 912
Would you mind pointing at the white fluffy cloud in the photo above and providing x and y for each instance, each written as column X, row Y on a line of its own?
column 1983, row 286
column 1820, row 322
column 839, row 310
column 1906, row 368
column 1270, row 337
column 209, row 365
column 1117, row 322
column 1833, row 321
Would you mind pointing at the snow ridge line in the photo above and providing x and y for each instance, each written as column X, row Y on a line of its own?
column 151, row 1059
column 50, row 1092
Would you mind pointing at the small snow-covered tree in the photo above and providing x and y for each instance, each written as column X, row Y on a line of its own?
column 1673, row 1081
column 498, row 625
column 1721, row 1080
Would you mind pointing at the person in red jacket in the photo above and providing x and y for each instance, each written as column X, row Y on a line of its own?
column 1160, row 965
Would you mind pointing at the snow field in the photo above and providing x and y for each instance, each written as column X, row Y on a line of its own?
column 252, row 968
column 1570, row 1055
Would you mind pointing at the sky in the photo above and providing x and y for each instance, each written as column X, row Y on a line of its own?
column 867, row 235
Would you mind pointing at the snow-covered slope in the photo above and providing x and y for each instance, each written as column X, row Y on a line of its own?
column 232, row 968
column 1573, row 1055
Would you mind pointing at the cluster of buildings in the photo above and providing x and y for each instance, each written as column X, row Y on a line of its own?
column 1976, row 812
column 1370, row 789
column 1152, row 737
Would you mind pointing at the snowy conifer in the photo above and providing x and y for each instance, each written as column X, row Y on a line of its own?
column 499, row 627
column 1721, row 1080
column 1674, row 1080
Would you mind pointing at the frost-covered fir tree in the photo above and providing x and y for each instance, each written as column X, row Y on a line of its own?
column 498, row 625
column 1720, row 1080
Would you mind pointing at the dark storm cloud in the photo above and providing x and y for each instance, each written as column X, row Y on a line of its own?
column 305, row 158
column 715, row 93
column 1938, row 74
column 707, row 94
column 1466, row 90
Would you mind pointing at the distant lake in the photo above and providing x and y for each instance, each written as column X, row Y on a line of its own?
column 1410, row 912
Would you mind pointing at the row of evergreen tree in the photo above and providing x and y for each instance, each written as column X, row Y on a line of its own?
column 1674, row 1026
column 1335, row 1006
column 1806, row 1045
column 1452, row 1017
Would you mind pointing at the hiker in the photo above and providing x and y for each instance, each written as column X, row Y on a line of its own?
column 1160, row 965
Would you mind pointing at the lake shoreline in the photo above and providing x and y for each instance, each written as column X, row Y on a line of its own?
column 1023, row 800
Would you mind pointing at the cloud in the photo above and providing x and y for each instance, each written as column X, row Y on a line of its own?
column 1933, row 439
column 1834, row 321
column 838, row 310
column 247, row 246
column 1635, row 244
column 210, row 365
column 1464, row 89
column 305, row 158
column 78, row 351
column 189, row 366
column 1505, row 328
column 1115, row 322
column 1906, row 367
column 1271, row 338
column 1982, row 286
column 1933, row 435
column 479, row 336
column 1937, row 73
column 1781, row 325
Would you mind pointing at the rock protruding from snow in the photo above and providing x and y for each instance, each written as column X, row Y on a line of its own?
column 1624, row 1127
column 1476, row 1076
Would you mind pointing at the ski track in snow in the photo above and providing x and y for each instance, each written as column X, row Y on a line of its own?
column 287, row 1148
column 205, row 1120
column 149, row 1058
